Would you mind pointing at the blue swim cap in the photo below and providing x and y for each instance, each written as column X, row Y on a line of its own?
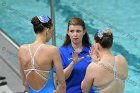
column 43, row 19
column 100, row 33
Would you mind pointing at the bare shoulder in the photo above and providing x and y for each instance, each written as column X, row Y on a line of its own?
column 92, row 69
column 93, row 66
column 51, row 48
column 22, row 53
column 122, row 66
column 121, row 60
column 23, row 48
column 54, row 49
column 90, row 66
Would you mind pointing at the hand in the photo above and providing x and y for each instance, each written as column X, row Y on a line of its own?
column 26, row 87
column 94, row 54
column 75, row 57
column 54, row 91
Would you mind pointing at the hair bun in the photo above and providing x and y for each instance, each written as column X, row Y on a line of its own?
column 40, row 26
column 35, row 21
column 107, row 32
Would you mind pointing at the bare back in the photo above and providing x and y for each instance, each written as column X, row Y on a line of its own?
column 43, row 63
column 111, row 74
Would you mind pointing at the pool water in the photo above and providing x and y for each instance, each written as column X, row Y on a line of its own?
column 122, row 16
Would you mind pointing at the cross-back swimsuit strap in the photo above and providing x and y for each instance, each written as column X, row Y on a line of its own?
column 114, row 68
column 33, row 64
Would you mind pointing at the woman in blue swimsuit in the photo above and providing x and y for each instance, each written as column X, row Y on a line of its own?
column 107, row 73
column 38, row 59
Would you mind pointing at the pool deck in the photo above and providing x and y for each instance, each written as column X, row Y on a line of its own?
column 9, row 66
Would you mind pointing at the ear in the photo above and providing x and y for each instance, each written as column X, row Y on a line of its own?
column 67, row 31
column 84, row 32
column 47, row 31
column 98, row 46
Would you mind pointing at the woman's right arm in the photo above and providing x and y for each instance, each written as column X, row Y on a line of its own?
column 69, row 68
column 61, row 85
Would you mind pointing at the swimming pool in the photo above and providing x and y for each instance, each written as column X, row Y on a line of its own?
column 120, row 15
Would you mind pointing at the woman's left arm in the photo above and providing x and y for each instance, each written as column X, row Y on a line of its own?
column 23, row 78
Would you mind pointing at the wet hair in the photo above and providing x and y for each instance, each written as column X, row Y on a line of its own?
column 105, row 38
column 77, row 21
column 40, row 26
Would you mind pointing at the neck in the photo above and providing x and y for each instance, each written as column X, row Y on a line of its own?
column 40, row 39
column 104, row 52
column 77, row 47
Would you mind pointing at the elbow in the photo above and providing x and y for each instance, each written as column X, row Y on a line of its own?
column 66, row 74
column 66, row 77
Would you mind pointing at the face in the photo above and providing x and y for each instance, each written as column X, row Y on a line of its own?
column 51, row 30
column 76, row 33
column 49, row 33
